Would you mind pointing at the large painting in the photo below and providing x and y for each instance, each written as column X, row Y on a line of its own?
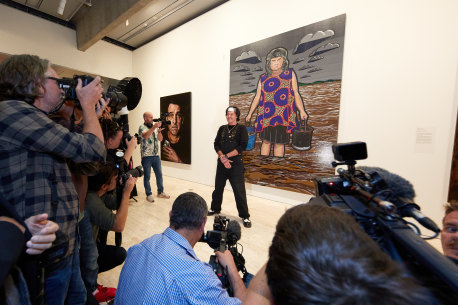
column 287, row 88
column 176, row 143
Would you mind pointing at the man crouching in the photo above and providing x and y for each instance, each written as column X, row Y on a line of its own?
column 165, row 270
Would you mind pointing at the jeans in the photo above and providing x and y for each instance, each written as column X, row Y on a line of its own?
column 88, row 254
column 237, row 180
column 64, row 282
column 155, row 163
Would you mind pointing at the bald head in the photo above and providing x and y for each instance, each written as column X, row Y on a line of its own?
column 148, row 117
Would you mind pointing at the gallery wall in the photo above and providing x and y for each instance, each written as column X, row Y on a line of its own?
column 21, row 33
column 399, row 87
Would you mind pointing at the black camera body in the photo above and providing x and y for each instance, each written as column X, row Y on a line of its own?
column 135, row 172
column 380, row 210
column 117, row 98
column 224, row 236
column 162, row 119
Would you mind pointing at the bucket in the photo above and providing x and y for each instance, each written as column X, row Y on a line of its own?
column 302, row 137
column 251, row 137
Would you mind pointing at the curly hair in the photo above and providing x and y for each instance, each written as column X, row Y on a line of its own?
column 110, row 128
column 22, row 76
column 320, row 255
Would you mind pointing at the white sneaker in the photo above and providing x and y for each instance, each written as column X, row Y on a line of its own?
column 163, row 195
column 150, row 198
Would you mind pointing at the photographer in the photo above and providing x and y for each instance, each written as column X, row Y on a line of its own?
column 33, row 151
column 113, row 136
column 102, row 217
column 151, row 139
column 321, row 255
column 165, row 270
column 449, row 233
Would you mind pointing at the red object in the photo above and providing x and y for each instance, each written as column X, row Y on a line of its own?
column 104, row 294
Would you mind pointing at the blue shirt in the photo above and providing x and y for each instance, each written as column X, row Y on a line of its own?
column 164, row 269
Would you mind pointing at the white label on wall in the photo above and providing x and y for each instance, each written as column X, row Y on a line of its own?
column 424, row 139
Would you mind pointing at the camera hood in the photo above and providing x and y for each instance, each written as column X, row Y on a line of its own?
column 131, row 87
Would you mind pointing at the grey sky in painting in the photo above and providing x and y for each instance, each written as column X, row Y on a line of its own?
column 314, row 44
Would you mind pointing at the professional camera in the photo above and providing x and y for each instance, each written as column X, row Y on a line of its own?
column 135, row 172
column 127, row 136
column 126, row 93
column 162, row 119
column 224, row 236
column 378, row 201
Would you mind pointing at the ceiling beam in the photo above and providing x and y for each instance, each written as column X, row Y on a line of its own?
column 95, row 22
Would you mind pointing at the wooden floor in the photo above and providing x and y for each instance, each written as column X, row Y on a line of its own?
column 146, row 219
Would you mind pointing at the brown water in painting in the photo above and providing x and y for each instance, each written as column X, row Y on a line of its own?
column 296, row 171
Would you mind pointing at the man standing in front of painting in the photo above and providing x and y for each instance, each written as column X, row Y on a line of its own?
column 151, row 139
column 278, row 97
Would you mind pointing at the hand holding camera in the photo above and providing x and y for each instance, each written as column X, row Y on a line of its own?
column 129, row 185
column 90, row 94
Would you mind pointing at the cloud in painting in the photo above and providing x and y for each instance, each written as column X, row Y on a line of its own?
column 315, row 58
column 315, row 70
column 325, row 48
column 298, row 60
column 311, row 40
column 306, row 67
column 257, row 68
column 249, row 57
column 241, row 69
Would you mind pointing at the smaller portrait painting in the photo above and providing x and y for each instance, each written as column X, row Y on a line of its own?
column 176, row 143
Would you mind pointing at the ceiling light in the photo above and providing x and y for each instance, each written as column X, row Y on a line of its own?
column 60, row 9
column 127, row 22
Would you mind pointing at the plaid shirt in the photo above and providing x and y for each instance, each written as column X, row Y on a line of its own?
column 34, row 176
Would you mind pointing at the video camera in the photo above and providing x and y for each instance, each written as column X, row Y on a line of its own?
column 162, row 119
column 378, row 201
column 224, row 236
column 126, row 93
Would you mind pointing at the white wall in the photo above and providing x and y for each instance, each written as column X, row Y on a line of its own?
column 400, row 74
column 21, row 33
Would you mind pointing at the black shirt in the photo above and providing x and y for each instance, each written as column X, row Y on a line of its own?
column 229, row 138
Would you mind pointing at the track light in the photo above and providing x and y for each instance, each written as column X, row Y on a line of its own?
column 60, row 9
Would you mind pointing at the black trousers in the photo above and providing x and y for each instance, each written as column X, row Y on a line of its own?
column 237, row 180
column 110, row 257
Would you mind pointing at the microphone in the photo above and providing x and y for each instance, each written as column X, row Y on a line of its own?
column 234, row 232
column 403, row 194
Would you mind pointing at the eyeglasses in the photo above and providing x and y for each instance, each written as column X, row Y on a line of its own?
column 60, row 82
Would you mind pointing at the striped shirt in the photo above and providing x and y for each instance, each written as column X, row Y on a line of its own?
column 164, row 269
column 34, row 176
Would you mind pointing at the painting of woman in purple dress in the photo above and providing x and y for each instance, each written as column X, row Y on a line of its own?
column 280, row 105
